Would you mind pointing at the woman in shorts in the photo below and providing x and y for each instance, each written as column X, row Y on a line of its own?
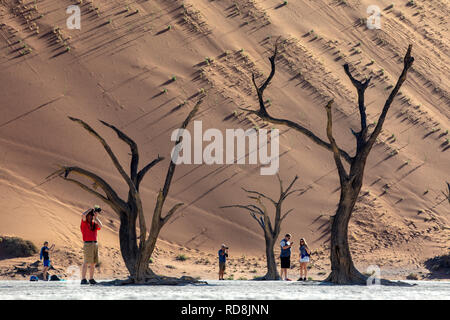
column 305, row 253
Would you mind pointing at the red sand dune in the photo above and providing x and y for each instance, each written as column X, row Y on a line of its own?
column 119, row 64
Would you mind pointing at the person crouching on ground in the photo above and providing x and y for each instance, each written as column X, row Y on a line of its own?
column 45, row 255
column 90, row 224
column 285, row 255
column 223, row 255
column 305, row 253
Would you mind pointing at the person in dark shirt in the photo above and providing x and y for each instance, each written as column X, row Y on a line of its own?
column 223, row 255
column 285, row 256
column 46, row 258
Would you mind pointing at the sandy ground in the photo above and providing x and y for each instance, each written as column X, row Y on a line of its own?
column 173, row 260
column 119, row 67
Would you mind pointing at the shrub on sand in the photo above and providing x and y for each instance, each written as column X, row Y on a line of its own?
column 181, row 257
column 13, row 247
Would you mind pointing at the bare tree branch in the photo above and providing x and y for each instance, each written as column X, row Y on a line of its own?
column 133, row 147
column 280, row 182
column 134, row 163
column 171, row 212
column 251, row 209
column 91, row 191
column 361, row 87
column 259, row 219
column 158, row 221
column 293, row 191
column 111, row 195
column 407, row 63
column 172, row 165
column 286, row 193
column 108, row 150
column 260, row 195
column 144, row 170
column 337, row 156
column 285, row 215
column 136, row 176
column 448, row 192
column 264, row 115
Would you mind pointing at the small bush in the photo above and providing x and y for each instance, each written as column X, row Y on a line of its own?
column 14, row 247
column 412, row 276
column 181, row 257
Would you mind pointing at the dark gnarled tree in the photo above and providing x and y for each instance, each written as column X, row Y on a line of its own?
column 343, row 270
column 271, row 231
column 136, row 249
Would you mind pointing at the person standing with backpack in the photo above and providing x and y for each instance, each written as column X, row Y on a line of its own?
column 305, row 253
column 285, row 255
column 45, row 256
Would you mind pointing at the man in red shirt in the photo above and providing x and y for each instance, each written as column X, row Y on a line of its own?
column 90, row 224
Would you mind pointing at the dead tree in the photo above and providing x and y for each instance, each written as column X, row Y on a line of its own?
column 343, row 270
column 136, row 249
column 271, row 231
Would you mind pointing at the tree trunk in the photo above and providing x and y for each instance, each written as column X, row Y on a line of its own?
column 128, row 241
column 343, row 270
column 143, row 271
column 272, row 272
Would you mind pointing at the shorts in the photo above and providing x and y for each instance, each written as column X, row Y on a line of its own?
column 46, row 263
column 222, row 266
column 304, row 259
column 285, row 262
column 90, row 250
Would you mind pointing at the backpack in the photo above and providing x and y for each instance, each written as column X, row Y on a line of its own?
column 55, row 278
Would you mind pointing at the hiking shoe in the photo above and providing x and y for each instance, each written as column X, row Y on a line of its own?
column 287, row 279
column 304, row 279
column 92, row 281
column 300, row 279
column 84, row 281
